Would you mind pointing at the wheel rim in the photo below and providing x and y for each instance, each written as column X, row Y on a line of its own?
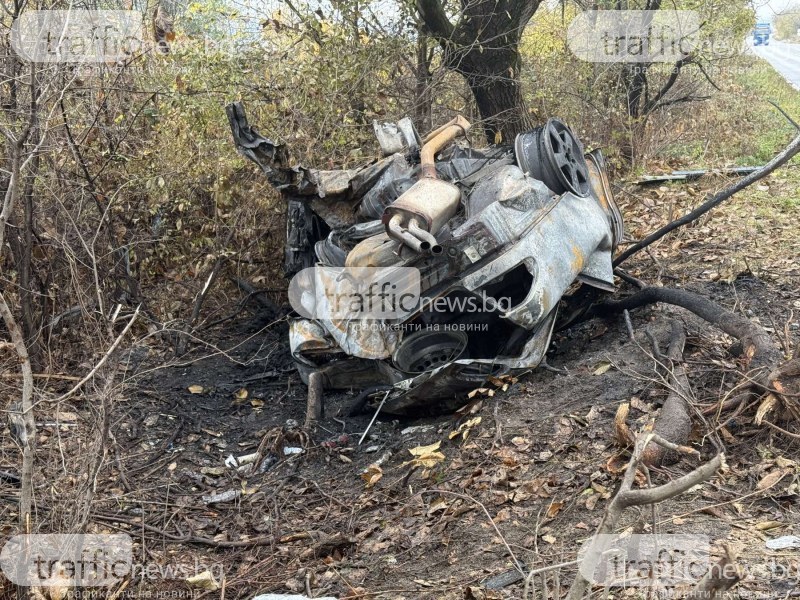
column 427, row 350
column 553, row 155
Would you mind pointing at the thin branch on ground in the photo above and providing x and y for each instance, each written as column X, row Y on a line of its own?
column 778, row 161
column 627, row 497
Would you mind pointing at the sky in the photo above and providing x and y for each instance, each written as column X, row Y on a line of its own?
column 767, row 9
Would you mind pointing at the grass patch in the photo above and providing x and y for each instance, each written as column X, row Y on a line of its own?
column 738, row 125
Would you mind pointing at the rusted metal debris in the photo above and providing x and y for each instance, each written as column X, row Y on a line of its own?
column 512, row 226
column 695, row 174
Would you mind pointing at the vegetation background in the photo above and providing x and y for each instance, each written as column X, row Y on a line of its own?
column 126, row 208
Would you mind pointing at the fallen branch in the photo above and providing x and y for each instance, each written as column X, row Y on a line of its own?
column 761, row 353
column 780, row 159
column 41, row 376
column 258, row 295
column 674, row 421
column 627, row 497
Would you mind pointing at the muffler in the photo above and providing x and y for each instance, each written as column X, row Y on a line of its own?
column 427, row 205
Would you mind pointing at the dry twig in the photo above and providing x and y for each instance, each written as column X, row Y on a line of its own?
column 627, row 497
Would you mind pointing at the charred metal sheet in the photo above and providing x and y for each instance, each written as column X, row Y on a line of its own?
column 400, row 137
column 695, row 174
column 271, row 157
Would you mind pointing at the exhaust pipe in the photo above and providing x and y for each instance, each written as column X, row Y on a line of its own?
column 428, row 204
column 396, row 231
column 437, row 140
column 424, row 235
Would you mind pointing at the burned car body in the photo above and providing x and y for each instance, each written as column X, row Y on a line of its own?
column 506, row 229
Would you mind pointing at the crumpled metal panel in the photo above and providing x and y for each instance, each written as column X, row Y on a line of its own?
column 555, row 248
column 363, row 338
column 400, row 137
column 307, row 337
column 273, row 158
column 512, row 189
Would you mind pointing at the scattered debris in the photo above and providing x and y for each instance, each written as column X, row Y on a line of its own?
column 783, row 543
column 288, row 597
column 415, row 429
column 226, row 496
column 695, row 174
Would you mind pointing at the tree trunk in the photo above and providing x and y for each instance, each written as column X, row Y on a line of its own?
column 422, row 87
column 483, row 46
column 501, row 106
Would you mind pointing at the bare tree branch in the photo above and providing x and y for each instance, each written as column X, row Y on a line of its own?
column 781, row 159
column 627, row 497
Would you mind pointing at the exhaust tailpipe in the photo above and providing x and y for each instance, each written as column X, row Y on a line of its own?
column 428, row 204
column 425, row 236
column 396, row 231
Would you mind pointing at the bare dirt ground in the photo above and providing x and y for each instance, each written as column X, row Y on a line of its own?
column 525, row 478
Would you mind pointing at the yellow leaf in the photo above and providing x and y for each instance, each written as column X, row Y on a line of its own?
column 766, row 525
column 196, row 389
column 473, row 422
column 423, row 450
column 603, row 367
column 425, row 456
column 372, row 475
column 771, row 479
column 498, row 137
column 241, row 394
column 437, row 505
column 203, row 581
column 554, row 509
column 767, row 405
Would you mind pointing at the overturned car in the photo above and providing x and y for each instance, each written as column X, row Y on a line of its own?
column 469, row 251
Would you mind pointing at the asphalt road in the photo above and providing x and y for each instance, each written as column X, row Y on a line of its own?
column 785, row 58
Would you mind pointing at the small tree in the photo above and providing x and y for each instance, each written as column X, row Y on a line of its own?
column 787, row 23
column 483, row 46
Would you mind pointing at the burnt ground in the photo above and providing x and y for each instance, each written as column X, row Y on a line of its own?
column 537, row 464
column 530, row 479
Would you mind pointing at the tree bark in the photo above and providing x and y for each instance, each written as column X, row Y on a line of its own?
column 674, row 421
column 483, row 46
column 423, row 81
column 501, row 106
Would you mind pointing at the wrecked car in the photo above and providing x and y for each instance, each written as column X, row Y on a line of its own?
column 496, row 237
